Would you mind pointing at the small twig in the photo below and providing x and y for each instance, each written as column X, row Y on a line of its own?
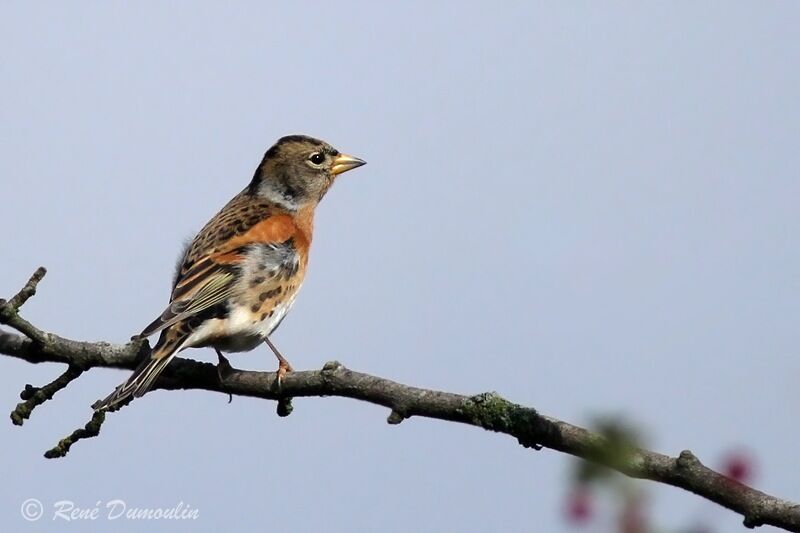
column 35, row 396
column 8, row 309
column 395, row 417
column 28, row 290
column 91, row 429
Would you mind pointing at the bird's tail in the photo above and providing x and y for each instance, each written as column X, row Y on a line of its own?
column 145, row 374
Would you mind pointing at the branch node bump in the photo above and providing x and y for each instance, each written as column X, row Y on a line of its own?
column 285, row 407
column 687, row 460
column 395, row 417
column 527, row 443
column 28, row 392
column 332, row 366
column 752, row 521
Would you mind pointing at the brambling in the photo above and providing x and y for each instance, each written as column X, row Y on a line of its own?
column 240, row 275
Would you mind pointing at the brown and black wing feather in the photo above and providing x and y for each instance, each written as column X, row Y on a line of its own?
column 235, row 219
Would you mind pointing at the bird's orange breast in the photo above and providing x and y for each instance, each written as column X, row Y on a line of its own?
column 273, row 230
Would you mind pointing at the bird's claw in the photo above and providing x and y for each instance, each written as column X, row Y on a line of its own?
column 224, row 368
column 283, row 368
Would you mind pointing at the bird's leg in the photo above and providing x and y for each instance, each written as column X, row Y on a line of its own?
column 283, row 364
column 224, row 367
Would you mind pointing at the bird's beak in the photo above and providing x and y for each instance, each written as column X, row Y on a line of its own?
column 343, row 163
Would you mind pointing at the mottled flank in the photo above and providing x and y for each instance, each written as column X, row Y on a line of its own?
column 270, row 293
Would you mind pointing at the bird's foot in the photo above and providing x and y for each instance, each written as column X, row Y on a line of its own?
column 224, row 368
column 283, row 368
column 283, row 365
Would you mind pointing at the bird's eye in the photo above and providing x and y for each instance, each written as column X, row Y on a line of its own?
column 317, row 158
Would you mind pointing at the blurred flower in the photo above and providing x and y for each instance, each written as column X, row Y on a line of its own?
column 739, row 466
column 579, row 505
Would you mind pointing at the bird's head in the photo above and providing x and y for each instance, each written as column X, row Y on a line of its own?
column 297, row 171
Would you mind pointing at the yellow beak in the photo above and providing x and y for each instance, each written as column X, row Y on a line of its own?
column 343, row 163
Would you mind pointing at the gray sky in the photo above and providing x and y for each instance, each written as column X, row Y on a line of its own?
column 588, row 207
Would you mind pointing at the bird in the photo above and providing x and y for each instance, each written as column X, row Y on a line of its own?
column 240, row 275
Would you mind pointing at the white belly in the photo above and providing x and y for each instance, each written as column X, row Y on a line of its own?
column 242, row 331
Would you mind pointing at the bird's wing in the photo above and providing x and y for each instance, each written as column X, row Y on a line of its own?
column 232, row 221
column 211, row 265
column 211, row 284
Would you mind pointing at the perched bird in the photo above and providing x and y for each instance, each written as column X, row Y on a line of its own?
column 240, row 275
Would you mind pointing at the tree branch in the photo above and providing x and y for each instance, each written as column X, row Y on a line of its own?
column 34, row 396
column 488, row 411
